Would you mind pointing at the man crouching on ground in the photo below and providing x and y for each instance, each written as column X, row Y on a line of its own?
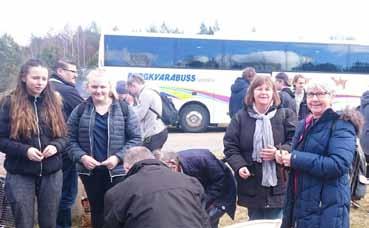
column 154, row 196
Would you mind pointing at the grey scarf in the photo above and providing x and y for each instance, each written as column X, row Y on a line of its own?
column 263, row 136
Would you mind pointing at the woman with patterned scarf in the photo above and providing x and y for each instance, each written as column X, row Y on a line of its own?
column 251, row 141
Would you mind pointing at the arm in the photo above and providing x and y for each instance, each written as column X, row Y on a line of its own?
column 232, row 149
column 60, row 144
column 339, row 157
column 73, row 148
column 146, row 99
column 290, row 123
column 8, row 146
column 115, row 207
column 216, row 179
column 132, row 132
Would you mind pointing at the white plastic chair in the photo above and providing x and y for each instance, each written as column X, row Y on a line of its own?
column 258, row 224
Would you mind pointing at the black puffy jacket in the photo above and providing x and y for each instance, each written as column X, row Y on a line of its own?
column 16, row 160
column 124, row 132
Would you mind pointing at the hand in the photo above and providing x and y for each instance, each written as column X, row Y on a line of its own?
column 89, row 162
column 49, row 151
column 244, row 173
column 286, row 159
column 278, row 156
column 268, row 154
column 34, row 154
column 111, row 162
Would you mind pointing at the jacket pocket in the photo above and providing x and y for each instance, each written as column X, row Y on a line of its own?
column 247, row 186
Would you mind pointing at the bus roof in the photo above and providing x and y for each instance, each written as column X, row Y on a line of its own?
column 248, row 37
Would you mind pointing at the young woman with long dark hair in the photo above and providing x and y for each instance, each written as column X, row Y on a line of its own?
column 32, row 135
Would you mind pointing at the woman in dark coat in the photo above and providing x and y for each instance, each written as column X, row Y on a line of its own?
column 250, row 144
column 318, row 193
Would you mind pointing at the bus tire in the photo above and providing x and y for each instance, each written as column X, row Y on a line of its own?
column 194, row 118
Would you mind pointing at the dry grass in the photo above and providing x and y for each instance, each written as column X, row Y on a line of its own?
column 359, row 217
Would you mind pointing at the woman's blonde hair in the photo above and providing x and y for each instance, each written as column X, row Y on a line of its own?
column 100, row 73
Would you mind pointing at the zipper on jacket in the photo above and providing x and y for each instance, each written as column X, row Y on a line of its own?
column 108, row 152
column 38, row 130
column 90, row 135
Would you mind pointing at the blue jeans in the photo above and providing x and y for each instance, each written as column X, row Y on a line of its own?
column 265, row 213
column 215, row 213
column 69, row 194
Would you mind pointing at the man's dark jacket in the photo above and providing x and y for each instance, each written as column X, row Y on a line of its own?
column 71, row 97
column 238, row 92
column 152, row 195
column 287, row 99
column 216, row 178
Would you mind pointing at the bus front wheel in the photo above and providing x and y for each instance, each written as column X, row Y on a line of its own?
column 194, row 118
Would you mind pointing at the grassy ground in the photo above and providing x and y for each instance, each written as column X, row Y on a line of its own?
column 359, row 217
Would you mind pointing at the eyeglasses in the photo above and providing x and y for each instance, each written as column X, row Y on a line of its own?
column 318, row 95
column 73, row 71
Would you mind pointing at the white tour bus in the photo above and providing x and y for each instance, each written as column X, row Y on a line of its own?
column 198, row 71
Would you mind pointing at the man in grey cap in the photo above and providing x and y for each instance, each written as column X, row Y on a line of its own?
column 282, row 84
column 122, row 91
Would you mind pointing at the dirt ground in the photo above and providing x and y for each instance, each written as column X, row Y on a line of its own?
column 212, row 140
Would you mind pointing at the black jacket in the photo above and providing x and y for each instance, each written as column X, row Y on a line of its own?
column 287, row 99
column 216, row 178
column 16, row 161
column 154, row 196
column 303, row 109
column 238, row 147
column 123, row 133
column 70, row 95
column 238, row 92
column 364, row 109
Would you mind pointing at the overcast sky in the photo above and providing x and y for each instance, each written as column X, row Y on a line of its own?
column 291, row 18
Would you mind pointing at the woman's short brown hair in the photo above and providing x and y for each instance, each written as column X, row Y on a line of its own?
column 258, row 81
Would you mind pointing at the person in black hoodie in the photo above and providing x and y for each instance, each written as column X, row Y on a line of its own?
column 239, row 90
column 285, row 93
column 214, row 175
column 152, row 195
column 63, row 81
column 33, row 135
